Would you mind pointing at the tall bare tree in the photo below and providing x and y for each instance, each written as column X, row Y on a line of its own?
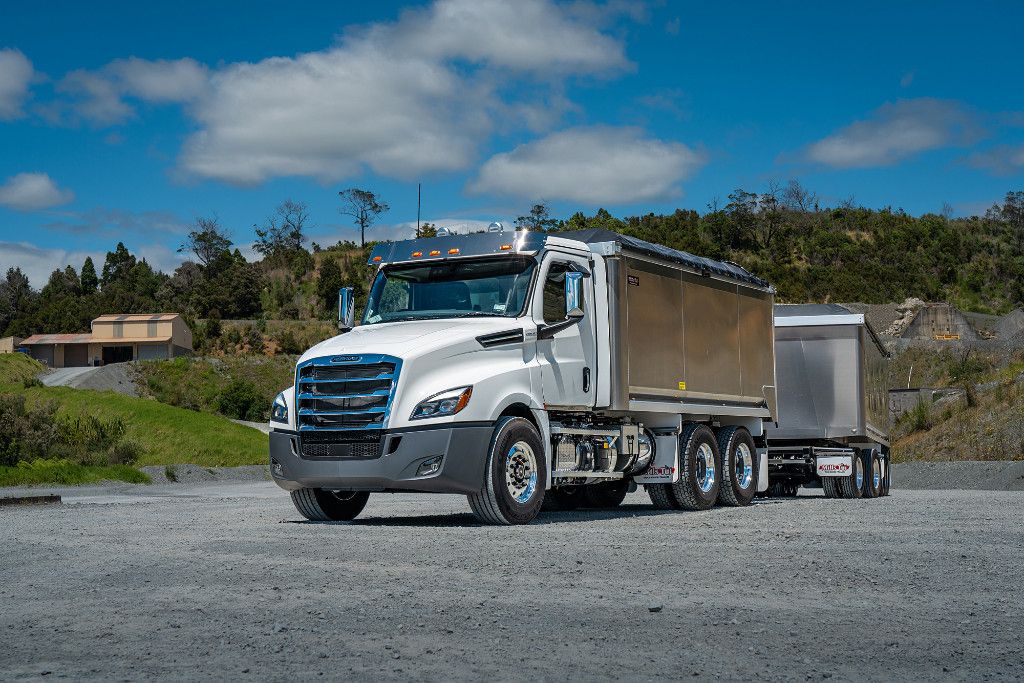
column 207, row 240
column 364, row 207
column 282, row 236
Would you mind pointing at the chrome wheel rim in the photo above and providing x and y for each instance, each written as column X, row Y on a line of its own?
column 744, row 466
column 859, row 473
column 521, row 471
column 876, row 477
column 705, row 468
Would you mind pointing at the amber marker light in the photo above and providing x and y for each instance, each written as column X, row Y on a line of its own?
column 435, row 253
column 417, row 254
column 377, row 259
column 453, row 252
column 505, row 247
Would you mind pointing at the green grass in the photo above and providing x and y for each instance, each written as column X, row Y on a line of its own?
column 16, row 368
column 68, row 473
column 166, row 434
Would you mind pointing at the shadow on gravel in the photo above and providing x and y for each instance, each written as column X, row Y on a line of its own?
column 468, row 520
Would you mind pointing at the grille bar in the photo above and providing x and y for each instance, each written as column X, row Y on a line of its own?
column 338, row 397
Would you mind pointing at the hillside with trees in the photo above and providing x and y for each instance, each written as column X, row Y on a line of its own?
column 810, row 252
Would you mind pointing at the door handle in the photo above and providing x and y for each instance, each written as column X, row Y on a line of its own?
column 586, row 380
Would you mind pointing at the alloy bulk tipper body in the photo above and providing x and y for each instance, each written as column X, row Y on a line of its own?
column 530, row 369
column 832, row 426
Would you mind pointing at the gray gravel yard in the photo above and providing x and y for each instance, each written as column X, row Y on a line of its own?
column 223, row 581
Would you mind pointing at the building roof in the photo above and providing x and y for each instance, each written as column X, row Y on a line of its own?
column 87, row 338
column 134, row 317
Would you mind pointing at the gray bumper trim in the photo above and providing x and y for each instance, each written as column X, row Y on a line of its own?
column 463, row 448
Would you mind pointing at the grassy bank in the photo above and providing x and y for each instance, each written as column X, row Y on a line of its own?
column 64, row 472
column 159, row 434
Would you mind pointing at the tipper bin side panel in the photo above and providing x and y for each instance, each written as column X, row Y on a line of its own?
column 757, row 345
column 710, row 337
column 818, row 371
column 877, row 382
column 654, row 308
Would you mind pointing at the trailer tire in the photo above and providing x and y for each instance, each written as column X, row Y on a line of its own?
column 563, row 499
column 739, row 466
column 886, row 473
column 872, row 474
column 830, row 485
column 852, row 486
column 701, row 466
column 606, row 494
column 662, row 497
column 321, row 505
column 515, row 476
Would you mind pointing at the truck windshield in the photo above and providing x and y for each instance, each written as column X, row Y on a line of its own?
column 451, row 289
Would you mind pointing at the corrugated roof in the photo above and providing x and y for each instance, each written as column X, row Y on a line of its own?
column 78, row 338
column 135, row 317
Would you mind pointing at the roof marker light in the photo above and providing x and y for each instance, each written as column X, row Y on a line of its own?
column 417, row 254
column 377, row 259
column 435, row 252
column 453, row 252
column 506, row 247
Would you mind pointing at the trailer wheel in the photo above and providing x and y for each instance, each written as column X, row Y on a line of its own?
column 606, row 494
column 872, row 474
column 886, row 473
column 662, row 497
column 852, row 486
column 513, row 486
column 830, row 485
column 739, row 466
column 321, row 505
column 563, row 499
column 701, row 475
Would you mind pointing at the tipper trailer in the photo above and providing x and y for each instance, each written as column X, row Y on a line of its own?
column 832, row 425
column 529, row 370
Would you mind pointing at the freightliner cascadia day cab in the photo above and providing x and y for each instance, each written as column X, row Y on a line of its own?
column 529, row 369
column 832, row 427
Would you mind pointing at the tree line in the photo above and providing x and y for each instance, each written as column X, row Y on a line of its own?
column 785, row 234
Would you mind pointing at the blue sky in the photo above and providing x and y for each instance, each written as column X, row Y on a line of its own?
column 126, row 121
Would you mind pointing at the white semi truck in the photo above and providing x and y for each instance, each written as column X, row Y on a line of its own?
column 529, row 370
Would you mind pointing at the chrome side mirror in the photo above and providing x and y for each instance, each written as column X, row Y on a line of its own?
column 346, row 309
column 573, row 295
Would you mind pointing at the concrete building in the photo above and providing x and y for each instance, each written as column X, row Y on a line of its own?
column 940, row 322
column 9, row 344
column 115, row 339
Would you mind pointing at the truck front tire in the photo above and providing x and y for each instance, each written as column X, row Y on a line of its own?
column 515, row 476
column 321, row 505
column 701, row 465
column 739, row 466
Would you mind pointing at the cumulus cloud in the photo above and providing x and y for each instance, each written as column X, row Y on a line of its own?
column 100, row 96
column 896, row 131
column 404, row 98
column 32, row 191
column 38, row 262
column 1001, row 160
column 15, row 74
column 593, row 165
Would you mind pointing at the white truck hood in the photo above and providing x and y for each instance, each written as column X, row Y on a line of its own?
column 410, row 338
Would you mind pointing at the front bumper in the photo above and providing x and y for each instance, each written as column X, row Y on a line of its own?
column 463, row 449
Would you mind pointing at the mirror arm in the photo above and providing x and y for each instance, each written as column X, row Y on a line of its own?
column 549, row 331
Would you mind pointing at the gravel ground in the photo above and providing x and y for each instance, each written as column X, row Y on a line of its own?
column 116, row 377
column 223, row 581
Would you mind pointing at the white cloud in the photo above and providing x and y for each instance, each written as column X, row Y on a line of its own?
column 99, row 96
column 118, row 222
column 32, row 191
column 896, row 131
column 405, row 98
column 38, row 262
column 596, row 166
column 1001, row 160
column 15, row 74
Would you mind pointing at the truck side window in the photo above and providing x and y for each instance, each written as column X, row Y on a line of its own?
column 554, row 293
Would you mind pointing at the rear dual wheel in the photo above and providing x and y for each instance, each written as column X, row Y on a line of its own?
column 739, row 466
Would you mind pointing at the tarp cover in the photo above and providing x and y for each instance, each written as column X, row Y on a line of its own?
column 699, row 263
column 790, row 310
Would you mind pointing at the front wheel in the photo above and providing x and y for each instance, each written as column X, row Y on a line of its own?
column 515, row 477
column 321, row 505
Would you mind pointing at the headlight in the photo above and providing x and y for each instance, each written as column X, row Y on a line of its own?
column 279, row 411
column 446, row 403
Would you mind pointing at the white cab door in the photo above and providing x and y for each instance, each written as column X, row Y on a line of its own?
column 567, row 360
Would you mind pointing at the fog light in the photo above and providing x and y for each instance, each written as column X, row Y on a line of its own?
column 428, row 467
column 275, row 468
